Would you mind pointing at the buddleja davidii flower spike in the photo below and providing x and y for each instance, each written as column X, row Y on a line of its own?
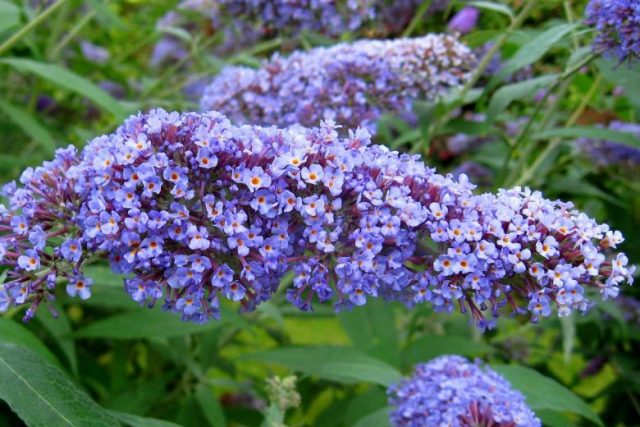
column 38, row 234
column 351, row 83
column 452, row 391
column 195, row 209
column 618, row 28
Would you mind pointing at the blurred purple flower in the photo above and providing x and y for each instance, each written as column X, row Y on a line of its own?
column 351, row 83
column 610, row 153
column 94, row 53
column 618, row 26
column 465, row 20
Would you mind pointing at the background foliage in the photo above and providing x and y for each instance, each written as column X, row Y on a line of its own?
column 106, row 361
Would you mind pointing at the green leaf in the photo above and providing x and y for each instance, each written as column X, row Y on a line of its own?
column 589, row 132
column 496, row 7
column 30, row 126
column 138, row 421
column 509, row 93
column 14, row 333
column 42, row 395
column 429, row 346
column 365, row 404
column 144, row 323
column 579, row 187
column 533, row 50
column 625, row 76
column 210, row 406
column 380, row 418
column 545, row 393
column 9, row 15
column 341, row 364
column 59, row 328
column 372, row 330
column 69, row 80
column 103, row 276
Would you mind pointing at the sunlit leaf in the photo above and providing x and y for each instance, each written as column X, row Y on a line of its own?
column 341, row 364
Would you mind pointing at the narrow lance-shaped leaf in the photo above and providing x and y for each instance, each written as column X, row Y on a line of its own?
column 533, row 50
column 69, row 80
column 42, row 395
column 339, row 364
column 30, row 126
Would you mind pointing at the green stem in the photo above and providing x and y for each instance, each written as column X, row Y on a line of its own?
column 31, row 25
column 72, row 33
column 564, row 81
column 553, row 144
column 56, row 29
column 422, row 10
column 484, row 63
column 568, row 10
column 486, row 59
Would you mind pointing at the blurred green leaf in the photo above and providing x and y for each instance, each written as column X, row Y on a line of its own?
column 42, row 395
column 533, row 50
column 545, row 393
column 577, row 186
column 554, row 419
column 429, row 346
column 365, row 404
column 379, row 418
column 372, row 330
column 509, row 93
column 14, row 333
column 496, row 7
column 138, row 421
column 105, row 16
column 30, row 125
column 625, row 75
column 341, row 364
column 9, row 15
column 69, row 80
column 59, row 329
column 210, row 406
column 143, row 323
column 589, row 132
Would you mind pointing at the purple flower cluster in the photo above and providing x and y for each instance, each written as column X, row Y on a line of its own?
column 450, row 391
column 351, row 83
column 193, row 209
column 330, row 17
column 609, row 153
column 618, row 26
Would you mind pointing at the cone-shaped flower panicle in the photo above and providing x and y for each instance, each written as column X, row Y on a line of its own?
column 193, row 209
column 351, row 83
column 451, row 391
column 618, row 26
